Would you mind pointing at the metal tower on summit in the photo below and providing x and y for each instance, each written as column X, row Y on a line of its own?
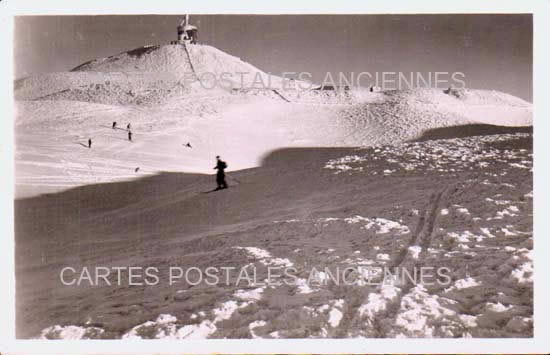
column 187, row 33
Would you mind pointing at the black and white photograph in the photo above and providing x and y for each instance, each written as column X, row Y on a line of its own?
column 251, row 176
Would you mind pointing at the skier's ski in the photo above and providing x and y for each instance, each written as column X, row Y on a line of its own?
column 215, row 190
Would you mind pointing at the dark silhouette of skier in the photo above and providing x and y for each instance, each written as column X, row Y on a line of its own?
column 130, row 136
column 220, row 175
column 114, row 124
column 89, row 143
column 188, row 145
column 129, row 126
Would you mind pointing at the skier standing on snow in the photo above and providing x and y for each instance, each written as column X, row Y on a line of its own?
column 220, row 175
column 130, row 136
column 89, row 143
column 114, row 124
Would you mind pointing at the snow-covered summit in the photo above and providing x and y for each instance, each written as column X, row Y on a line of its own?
column 150, row 75
column 155, row 73
column 187, row 62
column 167, row 58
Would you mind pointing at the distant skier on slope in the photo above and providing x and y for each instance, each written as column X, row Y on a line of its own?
column 114, row 124
column 89, row 143
column 129, row 127
column 188, row 145
column 220, row 175
column 130, row 136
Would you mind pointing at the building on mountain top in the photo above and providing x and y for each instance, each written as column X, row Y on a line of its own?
column 187, row 33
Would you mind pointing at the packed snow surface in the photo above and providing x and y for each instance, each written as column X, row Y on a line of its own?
column 487, row 257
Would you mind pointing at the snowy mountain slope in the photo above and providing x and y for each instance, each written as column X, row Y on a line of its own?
column 68, row 85
column 147, row 75
column 398, row 116
column 152, row 58
column 464, row 204
column 157, row 90
column 202, row 61
column 173, row 69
